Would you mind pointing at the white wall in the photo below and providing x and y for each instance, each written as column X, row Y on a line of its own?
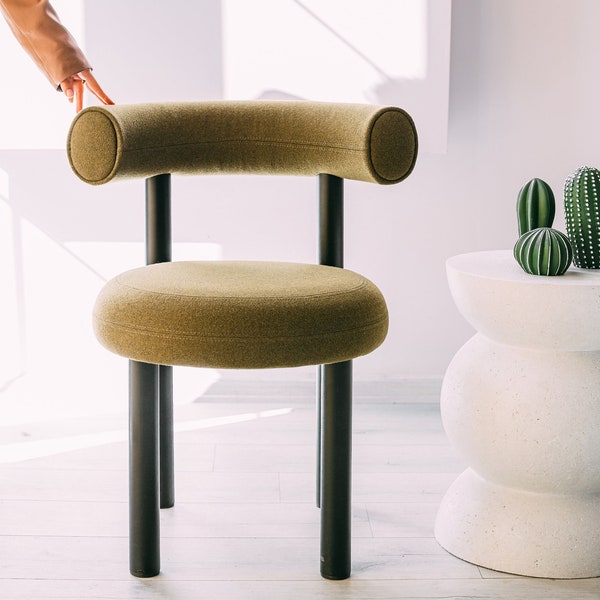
column 523, row 103
column 524, row 94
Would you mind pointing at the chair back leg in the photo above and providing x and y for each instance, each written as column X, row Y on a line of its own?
column 167, row 442
column 159, row 249
column 330, row 253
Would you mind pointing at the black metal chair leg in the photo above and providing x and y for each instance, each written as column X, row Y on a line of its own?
column 319, row 395
column 144, row 525
column 336, row 469
column 167, row 456
column 331, row 253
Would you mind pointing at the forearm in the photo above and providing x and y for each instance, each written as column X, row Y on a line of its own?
column 38, row 29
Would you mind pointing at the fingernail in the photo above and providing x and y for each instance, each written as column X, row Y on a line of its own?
column 69, row 93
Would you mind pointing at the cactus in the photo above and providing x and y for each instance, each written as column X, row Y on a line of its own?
column 582, row 213
column 535, row 206
column 544, row 251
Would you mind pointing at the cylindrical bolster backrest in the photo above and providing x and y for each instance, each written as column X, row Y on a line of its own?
column 353, row 141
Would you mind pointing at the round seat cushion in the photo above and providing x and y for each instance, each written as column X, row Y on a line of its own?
column 240, row 315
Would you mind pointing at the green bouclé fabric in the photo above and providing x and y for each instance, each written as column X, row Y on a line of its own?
column 354, row 141
column 240, row 314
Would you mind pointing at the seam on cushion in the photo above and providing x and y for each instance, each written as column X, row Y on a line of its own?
column 183, row 335
column 359, row 286
column 274, row 142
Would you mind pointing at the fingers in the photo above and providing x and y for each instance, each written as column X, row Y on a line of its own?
column 78, row 91
column 67, row 87
column 94, row 87
column 73, row 88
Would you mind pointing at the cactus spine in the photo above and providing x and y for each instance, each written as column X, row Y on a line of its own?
column 582, row 213
column 535, row 206
column 544, row 251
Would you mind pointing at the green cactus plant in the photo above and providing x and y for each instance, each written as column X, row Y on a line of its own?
column 544, row 251
column 582, row 213
column 535, row 206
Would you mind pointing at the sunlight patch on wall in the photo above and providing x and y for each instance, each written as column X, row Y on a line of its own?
column 54, row 367
column 325, row 50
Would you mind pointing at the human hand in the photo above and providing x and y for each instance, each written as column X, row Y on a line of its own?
column 73, row 88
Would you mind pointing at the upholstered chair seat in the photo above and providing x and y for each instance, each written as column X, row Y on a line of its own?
column 240, row 315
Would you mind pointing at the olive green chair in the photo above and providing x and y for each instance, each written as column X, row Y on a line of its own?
column 239, row 314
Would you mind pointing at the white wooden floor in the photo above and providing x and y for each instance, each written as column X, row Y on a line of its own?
column 244, row 526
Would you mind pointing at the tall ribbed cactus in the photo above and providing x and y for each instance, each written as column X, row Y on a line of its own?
column 582, row 213
column 535, row 206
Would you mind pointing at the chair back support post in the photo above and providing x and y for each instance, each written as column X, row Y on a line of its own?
column 334, row 407
column 159, row 249
column 158, row 219
column 331, row 220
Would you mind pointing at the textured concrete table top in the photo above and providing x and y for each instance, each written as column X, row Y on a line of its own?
column 503, row 302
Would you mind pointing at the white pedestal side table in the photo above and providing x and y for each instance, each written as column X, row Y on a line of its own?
column 521, row 401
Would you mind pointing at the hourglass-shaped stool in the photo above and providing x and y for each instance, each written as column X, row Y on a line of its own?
column 521, row 401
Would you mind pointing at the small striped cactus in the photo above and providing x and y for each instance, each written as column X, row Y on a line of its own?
column 582, row 213
column 544, row 251
column 535, row 206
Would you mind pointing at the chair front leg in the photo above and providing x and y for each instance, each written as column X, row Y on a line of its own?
column 144, row 524
column 336, row 469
